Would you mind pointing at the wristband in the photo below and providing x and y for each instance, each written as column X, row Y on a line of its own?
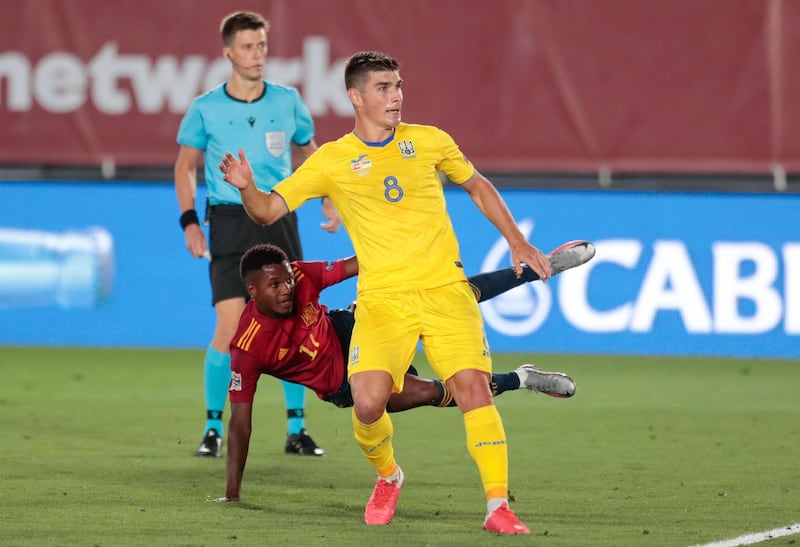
column 189, row 217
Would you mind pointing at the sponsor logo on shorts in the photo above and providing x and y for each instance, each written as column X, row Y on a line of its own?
column 354, row 356
column 236, row 381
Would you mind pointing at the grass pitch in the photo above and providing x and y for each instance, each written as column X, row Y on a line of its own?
column 98, row 448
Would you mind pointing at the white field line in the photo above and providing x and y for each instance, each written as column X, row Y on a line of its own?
column 757, row 537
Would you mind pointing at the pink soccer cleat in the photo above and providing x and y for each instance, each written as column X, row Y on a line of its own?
column 381, row 504
column 504, row 521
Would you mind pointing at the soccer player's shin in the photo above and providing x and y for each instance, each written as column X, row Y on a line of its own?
column 569, row 255
column 488, row 285
column 506, row 381
column 375, row 440
column 501, row 382
column 486, row 443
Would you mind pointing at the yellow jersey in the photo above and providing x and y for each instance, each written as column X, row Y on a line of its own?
column 391, row 201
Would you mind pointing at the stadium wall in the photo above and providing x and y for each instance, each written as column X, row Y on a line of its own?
column 607, row 86
column 104, row 264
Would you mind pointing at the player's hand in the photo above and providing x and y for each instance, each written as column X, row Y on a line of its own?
column 236, row 171
column 533, row 257
column 223, row 499
column 329, row 211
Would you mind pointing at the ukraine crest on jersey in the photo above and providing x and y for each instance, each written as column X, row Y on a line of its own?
column 391, row 201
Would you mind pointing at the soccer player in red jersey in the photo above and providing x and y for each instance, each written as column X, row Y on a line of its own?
column 285, row 332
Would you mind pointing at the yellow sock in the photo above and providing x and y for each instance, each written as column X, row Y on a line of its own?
column 486, row 443
column 375, row 441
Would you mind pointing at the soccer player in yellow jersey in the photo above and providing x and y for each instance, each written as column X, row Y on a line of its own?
column 383, row 180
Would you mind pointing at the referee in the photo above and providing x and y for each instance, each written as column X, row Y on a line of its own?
column 265, row 120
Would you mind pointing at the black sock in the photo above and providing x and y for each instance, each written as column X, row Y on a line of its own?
column 507, row 381
column 445, row 397
column 490, row 284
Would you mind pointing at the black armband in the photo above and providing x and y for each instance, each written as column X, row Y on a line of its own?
column 189, row 217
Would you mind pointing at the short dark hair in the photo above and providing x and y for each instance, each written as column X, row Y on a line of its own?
column 361, row 64
column 260, row 255
column 240, row 20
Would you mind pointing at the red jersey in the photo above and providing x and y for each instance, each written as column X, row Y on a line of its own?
column 302, row 348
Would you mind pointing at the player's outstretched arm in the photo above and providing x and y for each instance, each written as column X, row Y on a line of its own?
column 239, row 429
column 569, row 255
column 350, row 267
column 262, row 207
column 491, row 204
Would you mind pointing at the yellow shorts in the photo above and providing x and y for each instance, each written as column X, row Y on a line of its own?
column 446, row 319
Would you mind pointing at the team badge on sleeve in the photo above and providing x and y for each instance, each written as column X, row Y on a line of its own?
column 236, row 381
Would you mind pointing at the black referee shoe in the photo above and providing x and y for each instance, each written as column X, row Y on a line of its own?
column 302, row 445
column 210, row 446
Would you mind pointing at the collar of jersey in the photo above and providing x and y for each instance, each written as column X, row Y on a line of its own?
column 378, row 144
column 231, row 97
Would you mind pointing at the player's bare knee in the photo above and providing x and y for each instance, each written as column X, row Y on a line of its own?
column 371, row 391
column 369, row 412
column 470, row 389
column 369, row 407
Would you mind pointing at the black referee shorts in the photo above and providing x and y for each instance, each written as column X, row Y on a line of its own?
column 232, row 232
